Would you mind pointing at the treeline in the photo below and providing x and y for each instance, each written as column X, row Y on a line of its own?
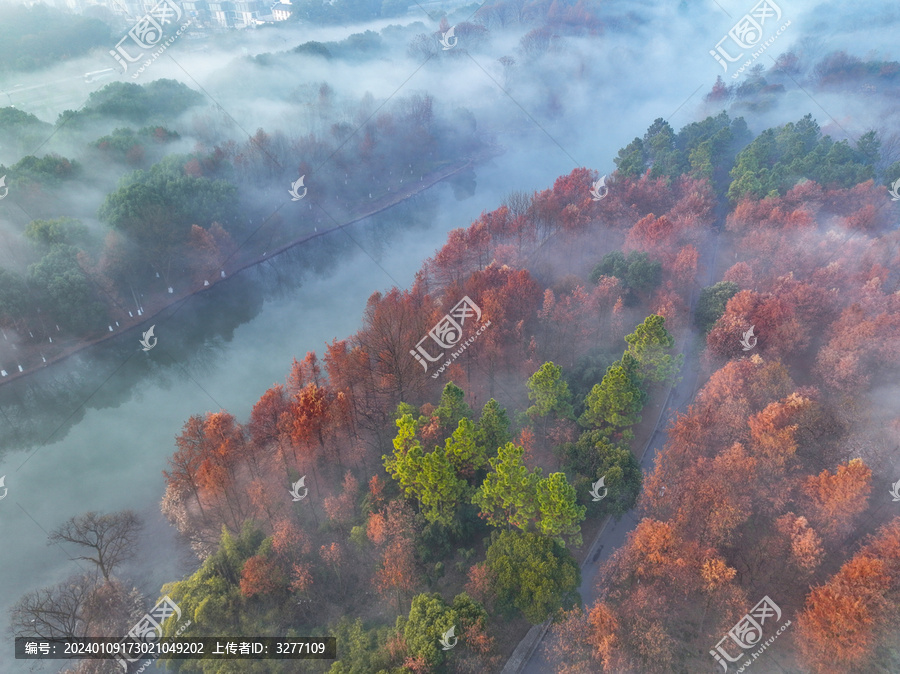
column 760, row 90
column 774, row 162
column 39, row 36
column 179, row 221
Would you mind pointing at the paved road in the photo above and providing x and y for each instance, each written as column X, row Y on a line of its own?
column 613, row 534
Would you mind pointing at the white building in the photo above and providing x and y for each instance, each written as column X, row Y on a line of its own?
column 281, row 10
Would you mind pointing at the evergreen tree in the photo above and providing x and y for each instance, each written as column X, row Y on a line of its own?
column 560, row 513
column 637, row 272
column 465, row 453
column 614, row 402
column 534, row 573
column 362, row 650
column 492, row 431
column 508, row 495
column 430, row 617
column 451, row 408
column 659, row 144
column 429, row 478
column 550, row 393
column 649, row 344
column 594, row 456
column 711, row 303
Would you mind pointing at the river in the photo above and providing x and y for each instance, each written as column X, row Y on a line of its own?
column 93, row 432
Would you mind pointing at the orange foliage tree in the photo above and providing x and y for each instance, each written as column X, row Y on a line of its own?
column 846, row 619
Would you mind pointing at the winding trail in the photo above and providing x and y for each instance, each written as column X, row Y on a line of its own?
column 531, row 656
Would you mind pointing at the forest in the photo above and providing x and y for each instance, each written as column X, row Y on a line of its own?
column 470, row 517
column 176, row 222
column 387, row 496
column 461, row 501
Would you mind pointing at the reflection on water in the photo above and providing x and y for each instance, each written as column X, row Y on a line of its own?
column 44, row 406
column 98, row 427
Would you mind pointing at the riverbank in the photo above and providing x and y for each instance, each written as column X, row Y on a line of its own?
column 162, row 301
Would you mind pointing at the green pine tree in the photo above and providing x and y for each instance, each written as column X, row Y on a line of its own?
column 649, row 344
column 508, row 495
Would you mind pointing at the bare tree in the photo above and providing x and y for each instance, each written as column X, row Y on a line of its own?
column 111, row 537
column 517, row 201
column 423, row 47
column 79, row 607
column 53, row 612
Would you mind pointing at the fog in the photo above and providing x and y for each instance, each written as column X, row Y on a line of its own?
column 96, row 432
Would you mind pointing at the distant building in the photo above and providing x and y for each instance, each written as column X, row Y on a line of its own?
column 281, row 10
column 197, row 10
column 222, row 13
column 247, row 13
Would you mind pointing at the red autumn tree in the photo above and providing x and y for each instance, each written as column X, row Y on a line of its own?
column 392, row 326
column 846, row 619
column 260, row 576
column 289, row 542
column 304, row 372
column 306, row 421
column 806, row 551
column 684, row 269
column 740, row 273
column 397, row 573
column 265, row 417
column 184, row 464
column 835, row 500
column 480, row 585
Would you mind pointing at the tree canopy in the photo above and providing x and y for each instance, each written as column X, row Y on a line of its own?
column 779, row 158
column 615, row 402
column 637, row 272
column 534, row 573
column 649, row 344
column 549, row 392
column 711, row 303
column 38, row 36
